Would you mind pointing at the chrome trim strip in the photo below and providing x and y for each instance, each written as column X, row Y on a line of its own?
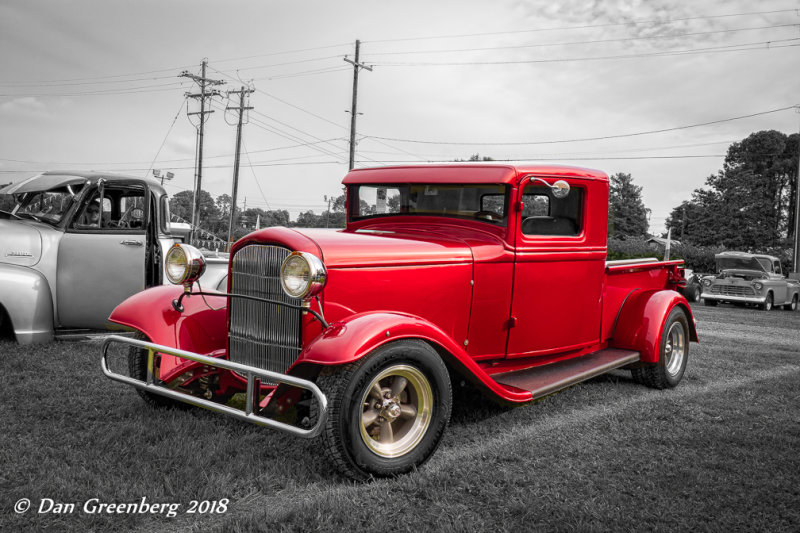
column 722, row 297
column 250, row 372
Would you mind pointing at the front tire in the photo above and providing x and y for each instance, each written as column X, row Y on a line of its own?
column 137, row 367
column 387, row 411
column 694, row 293
column 673, row 355
column 767, row 305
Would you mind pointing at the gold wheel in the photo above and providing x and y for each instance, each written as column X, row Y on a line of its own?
column 396, row 411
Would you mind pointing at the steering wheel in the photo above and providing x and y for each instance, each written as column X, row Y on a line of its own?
column 132, row 214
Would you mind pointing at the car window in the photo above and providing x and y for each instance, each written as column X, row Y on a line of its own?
column 122, row 209
column 777, row 265
column 45, row 206
column 544, row 214
column 766, row 264
column 165, row 220
column 484, row 202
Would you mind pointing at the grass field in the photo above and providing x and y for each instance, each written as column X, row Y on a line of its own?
column 720, row 452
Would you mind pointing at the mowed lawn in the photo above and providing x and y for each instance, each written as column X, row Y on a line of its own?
column 720, row 452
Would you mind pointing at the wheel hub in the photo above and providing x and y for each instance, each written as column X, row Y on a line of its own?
column 390, row 409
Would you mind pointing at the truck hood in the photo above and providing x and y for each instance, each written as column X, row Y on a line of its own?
column 384, row 245
column 21, row 243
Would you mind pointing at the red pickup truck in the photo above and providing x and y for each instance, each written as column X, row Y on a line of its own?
column 493, row 274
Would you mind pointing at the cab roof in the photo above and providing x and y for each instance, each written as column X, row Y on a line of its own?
column 507, row 173
column 58, row 178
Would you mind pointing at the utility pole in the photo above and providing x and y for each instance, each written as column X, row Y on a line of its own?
column 204, row 93
column 353, row 109
column 796, row 257
column 328, row 212
column 241, row 109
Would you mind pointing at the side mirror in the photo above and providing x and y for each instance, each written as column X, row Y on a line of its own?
column 560, row 188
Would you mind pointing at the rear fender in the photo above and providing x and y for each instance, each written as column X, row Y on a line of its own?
column 351, row 339
column 641, row 321
column 25, row 296
column 201, row 327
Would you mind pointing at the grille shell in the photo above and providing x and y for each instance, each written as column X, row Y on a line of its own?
column 261, row 334
column 733, row 290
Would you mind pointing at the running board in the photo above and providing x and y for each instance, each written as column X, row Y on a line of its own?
column 547, row 379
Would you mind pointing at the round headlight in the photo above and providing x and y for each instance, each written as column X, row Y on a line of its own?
column 302, row 275
column 758, row 286
column 184, row 264
column 706, row 282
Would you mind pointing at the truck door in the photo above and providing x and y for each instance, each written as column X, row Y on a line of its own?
column 559, row 270
column 101, row 257
column 781, row 287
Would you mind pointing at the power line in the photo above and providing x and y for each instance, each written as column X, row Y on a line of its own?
column 635, row 134
column 563, row 28
column 593, row 41
column 72, row 84
column 284, row 52
column 290, row 136
column 101, row 92
column 760, row 45
column 180, row 108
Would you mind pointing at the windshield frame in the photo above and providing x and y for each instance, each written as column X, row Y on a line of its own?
column 408, row 191
column 739, row 263
column 54, row 203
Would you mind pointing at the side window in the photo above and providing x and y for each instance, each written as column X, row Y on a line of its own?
column 122, row 209
column 376, row 200
column 777, row 266
column 165, row 214
column 544, row 214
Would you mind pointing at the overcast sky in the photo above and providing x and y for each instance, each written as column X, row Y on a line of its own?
column 95, row 85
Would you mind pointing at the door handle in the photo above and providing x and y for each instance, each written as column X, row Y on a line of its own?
column 131, row 243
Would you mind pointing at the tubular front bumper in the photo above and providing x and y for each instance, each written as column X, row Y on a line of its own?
column 744, row 299
column 251, row 373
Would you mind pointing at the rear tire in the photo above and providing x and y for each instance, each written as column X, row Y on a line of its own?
column 387, row 411
column 137, row 367
column 673, row 355
column 791, row 306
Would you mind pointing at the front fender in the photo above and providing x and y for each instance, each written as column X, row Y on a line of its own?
column 641, row 320
column 201, row 327
column 26, row 297
column 351, row 339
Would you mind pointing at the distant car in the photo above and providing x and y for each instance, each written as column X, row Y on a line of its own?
column 73, row 245
column 751, row 279
column 694, row 288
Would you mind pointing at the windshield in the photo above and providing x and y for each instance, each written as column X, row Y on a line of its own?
column 738, row 263
column 487, row 203
column 43, row 206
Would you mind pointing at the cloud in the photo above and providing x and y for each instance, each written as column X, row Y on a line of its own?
column 27, row 106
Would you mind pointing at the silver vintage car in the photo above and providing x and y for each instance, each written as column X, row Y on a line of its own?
column 73, row 245
column 751, row 279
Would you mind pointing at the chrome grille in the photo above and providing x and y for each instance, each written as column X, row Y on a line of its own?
column 733, row 290
column 261, row 334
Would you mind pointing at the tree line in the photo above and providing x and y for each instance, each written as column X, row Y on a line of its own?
column 215, row 215
column 749, row 204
